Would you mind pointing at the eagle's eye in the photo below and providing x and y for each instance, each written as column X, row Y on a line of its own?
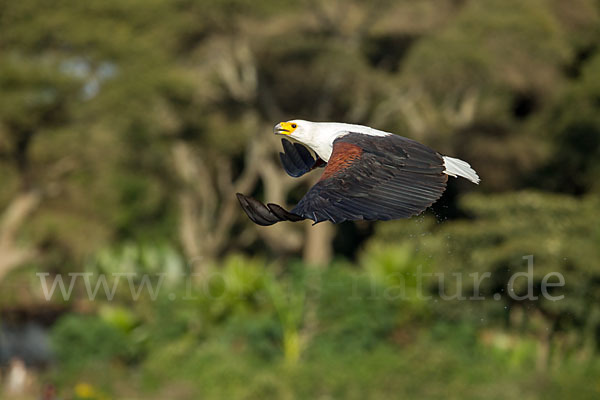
column 294, row 126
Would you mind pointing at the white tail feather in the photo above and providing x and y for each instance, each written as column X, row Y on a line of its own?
column 456, row 167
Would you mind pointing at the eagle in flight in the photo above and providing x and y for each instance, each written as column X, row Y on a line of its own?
column 368, row 174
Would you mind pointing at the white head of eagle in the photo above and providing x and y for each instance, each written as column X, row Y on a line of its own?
column 319, row 136
column 369, row 174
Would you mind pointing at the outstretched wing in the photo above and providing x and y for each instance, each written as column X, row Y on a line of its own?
column 367, row 178
column 297, row 159
column 375, row 178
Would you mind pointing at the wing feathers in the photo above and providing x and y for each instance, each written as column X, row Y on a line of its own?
column 296, row 159
column 375, row 178
column 265, row 215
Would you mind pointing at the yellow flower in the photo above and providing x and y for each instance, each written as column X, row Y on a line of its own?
column 85, row 391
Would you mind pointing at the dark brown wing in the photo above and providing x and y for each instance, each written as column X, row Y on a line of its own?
column 265, row 215
column 297, row 159
column 375, row 178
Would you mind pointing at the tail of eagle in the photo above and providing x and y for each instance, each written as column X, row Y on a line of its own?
column 456, row 167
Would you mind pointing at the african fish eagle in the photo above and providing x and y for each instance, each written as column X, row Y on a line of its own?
column 369, row 174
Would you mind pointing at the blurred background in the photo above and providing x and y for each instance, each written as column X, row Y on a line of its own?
column 126, row 128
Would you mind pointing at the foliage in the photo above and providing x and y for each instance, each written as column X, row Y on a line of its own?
column 359, row 344
column 504, row 231
column 80, row 339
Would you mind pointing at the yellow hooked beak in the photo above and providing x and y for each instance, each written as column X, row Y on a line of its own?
column 284, row 128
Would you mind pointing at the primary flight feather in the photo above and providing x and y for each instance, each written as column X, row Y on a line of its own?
column 369, row 174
